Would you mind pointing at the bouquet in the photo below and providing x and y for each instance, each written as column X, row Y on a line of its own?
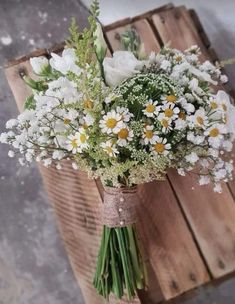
column 126, row 119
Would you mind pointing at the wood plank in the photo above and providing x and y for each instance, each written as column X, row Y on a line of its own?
column 176, row 27
column 172, row 254
column 168, row 243
column 130, row 20
column 210, row 215
column 18, row 87
column 144, row 30
column 212, row 218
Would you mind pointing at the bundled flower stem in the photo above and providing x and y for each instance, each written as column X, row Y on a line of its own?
column 120, row 267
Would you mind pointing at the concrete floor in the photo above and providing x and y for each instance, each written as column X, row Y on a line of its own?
column 33, row 265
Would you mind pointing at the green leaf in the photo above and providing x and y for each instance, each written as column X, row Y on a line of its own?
column 30, row 103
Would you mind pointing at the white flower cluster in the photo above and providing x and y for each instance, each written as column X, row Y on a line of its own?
column 160, row 111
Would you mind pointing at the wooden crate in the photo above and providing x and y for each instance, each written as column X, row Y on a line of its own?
column 188, row 232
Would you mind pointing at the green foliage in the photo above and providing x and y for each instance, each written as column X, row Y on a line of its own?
column 130, row 41
column 83, row 42
column 30, row 103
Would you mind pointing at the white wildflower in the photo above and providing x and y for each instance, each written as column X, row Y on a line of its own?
column 161, row 146
column 111, row 122
column 151, row 109
column 192, row 158
column 39, row 64
column 66, row 62
column 110, row 148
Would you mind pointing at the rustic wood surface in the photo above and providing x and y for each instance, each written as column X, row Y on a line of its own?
column 211, row 216
column 188, row 236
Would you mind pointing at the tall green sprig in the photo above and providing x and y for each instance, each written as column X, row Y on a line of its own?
column 83, row 42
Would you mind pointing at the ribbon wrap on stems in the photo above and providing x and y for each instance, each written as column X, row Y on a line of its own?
column 120, row 268
column 120, row 206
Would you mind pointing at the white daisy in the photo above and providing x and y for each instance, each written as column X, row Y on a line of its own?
column 170, row 111
column 178, row 58
column 124, row 136
column 216, row 134
column 111, row 122
column 82, row 138
column 110, row 148
column 169, row 99
column 165, row 123
column 72, row 144
column 199, row 118
column 151, row 108
column 149, row 136
column 161, row 146
column 78, row 142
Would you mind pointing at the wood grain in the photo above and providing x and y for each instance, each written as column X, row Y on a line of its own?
column 176, row 28
column 211, row 216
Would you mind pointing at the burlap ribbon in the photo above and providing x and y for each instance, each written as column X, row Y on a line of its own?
column 120, row 205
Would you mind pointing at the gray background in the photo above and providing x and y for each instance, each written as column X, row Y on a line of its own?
column 33, row 265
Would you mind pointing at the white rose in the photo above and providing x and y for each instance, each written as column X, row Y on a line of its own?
column 121, row 66
column 66, row 62
column 39, row 64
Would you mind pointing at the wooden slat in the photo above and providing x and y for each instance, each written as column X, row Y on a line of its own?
column 172, row 253
column 167, row 241
column 18, row 87
column 210, row 215
column 130, row 20
column 176, row 27
column 144, row 30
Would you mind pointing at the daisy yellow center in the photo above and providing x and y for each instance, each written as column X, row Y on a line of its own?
column 171, row 98
column 214, row 132
column 169, row 112
column 109, row 150
column 182, row 115
column 67, row 121
column 165, row 123
column 178, row 58
column 224, row 107
column 88, row 104
column 159, row 147
column 74, row 143
column 82, row 138
column 111, row 123
column 150, row 108
column 200, row 120
column 214, row 105
column 149, row 134
column 123, row 133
